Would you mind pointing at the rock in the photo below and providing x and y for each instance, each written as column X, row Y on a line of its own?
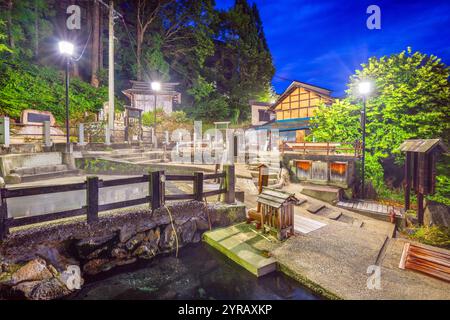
column 87, row 246
column 119, row 253
column 197, row 238
column 126, row 232
column 168, row 240
column 48, row 290
column 54, row 258
column 125, row 262
column 145, row 252
column 72, row 277
column 145, row 226
column 96, row 266
column 187, row 231
column 13, row 178
column 202, row 224
column 25, row 288
column 33, row 270
column 97, row 253
column 181, row 220
column 436, row 214
column 153, row 237
column 134, row 241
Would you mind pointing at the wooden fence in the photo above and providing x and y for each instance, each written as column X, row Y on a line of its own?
column 324, row 148
column 156, row 197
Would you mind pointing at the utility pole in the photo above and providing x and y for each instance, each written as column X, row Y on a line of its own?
column 110, row 74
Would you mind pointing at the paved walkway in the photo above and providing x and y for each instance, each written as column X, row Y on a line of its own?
column 335, row 258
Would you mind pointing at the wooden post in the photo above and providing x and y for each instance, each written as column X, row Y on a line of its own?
column 155, row 189
column 230, row 181
column 407, row 180
column 420, row 208
column 263, row 181
column 198, row 186
column 92, row 199
column 4, row 230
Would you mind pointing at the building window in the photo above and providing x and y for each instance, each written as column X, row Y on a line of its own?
column 264, row 115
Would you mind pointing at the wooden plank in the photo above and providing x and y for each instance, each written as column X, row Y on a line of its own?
column 214, row 192
column 120, row 182
column 23, row 192
column 214, row 176
column 123, row 204
column 17, row 222
column 179, row 177
column 179, row 197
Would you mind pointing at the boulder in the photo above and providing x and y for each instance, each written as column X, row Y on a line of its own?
column 96, row 266
column 48, row 290
column 119, row 253
column 134, row 241
column 34, row 270
column 153, row 236
column 87, row 246
column 201, row 224
column 126, row 232
column 145, row 252
column 436, row 214
column 187, row 231
column 168, row 239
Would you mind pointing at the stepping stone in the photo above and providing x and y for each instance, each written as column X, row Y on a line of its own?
column 315, row 207
column 334, row 215
column 300, row 202
column 357, row 223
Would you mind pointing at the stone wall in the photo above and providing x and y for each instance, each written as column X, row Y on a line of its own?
column 43, row 262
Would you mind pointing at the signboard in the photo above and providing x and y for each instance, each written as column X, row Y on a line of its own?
column 37, row 117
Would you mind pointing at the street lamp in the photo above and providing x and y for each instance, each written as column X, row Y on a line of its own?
column 66, row 49
column 156, row 87
column 364, row 88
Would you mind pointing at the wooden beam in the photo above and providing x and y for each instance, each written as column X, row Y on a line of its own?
column 92, row 199
column 408, row 163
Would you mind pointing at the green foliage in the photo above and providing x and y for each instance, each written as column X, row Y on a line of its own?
column 148, row 118
column 25, row 86
column 442, row 193
column 434, row 235
column 411, row 100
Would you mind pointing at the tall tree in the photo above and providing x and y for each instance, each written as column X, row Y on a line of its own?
column 95, row 49
column 411, row 100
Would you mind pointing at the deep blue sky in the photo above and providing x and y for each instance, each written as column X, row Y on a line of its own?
column 323, row 42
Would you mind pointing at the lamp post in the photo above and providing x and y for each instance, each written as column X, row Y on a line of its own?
column 364, row 88
column 66, row 49
column 156, row 87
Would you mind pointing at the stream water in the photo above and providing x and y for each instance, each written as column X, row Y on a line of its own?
column 200, row 272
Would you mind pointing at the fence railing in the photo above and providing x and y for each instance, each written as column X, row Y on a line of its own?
column 155, row 198
column 324, row 148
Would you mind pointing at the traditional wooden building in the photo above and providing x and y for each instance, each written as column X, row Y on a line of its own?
column 143, row 98
column 294, row 110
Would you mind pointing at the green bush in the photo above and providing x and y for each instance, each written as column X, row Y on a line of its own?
column 26, row 86
column 433, row 235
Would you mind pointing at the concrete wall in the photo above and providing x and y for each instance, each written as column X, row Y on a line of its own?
column 9, row 162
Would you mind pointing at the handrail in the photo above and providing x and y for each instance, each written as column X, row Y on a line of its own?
column 155, row 198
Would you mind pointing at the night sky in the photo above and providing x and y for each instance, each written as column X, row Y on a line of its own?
column 323, row 42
